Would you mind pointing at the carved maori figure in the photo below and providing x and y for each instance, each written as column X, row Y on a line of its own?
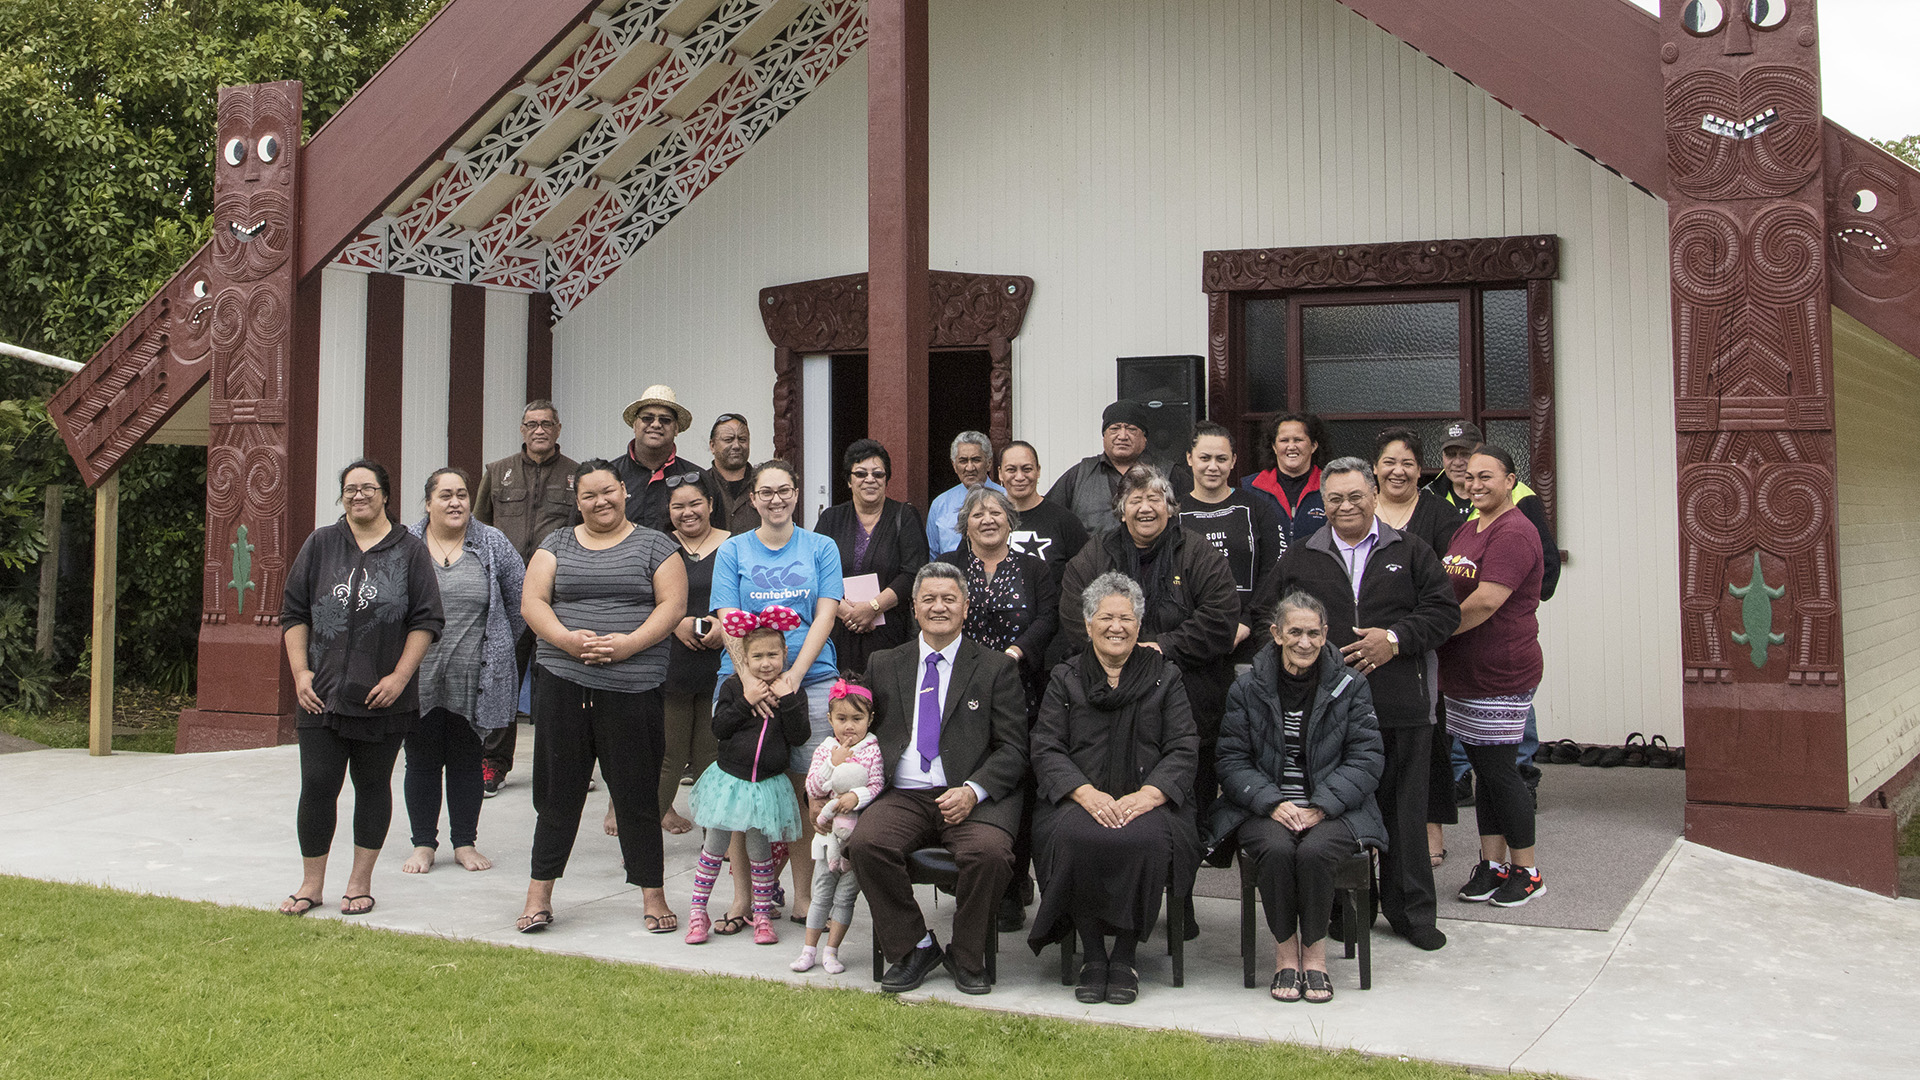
column 1752, row 340
column 256, row 192
column 1873, row 216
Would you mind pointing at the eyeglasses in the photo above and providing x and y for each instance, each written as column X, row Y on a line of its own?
column 728, row 416
column 655, row 419
column 540, row 425
column 775, row 494
column 359, row 490
column 1345, row 500
column 868, row 474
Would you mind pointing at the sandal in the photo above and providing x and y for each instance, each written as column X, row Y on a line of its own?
column 1560, row 752
column 1659, row 754
column 539, row 920
column 661, row 924
column 1318, row 983
column 301, row 904
column 1636, row 751
column 1436, row 858
column 347, row 908
column 729, row 925
column 1286, row 985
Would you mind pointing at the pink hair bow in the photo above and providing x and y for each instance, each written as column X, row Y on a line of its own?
column 741, row 623
column 842, row 688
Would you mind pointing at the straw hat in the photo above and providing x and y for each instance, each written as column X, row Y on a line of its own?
column 659, row 394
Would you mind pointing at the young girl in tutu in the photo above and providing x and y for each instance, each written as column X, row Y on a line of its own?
column 850, row 706
column 746, row 789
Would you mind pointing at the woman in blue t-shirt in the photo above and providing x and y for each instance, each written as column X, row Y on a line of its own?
column 780, row 563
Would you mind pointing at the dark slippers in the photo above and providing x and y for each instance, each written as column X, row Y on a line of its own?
column 535, row 922
column 1559, row 752
column 1286, row 985
column 661, row 924
column 1660, row 755
column 301, row 904
column 350, row 909
column 1636, row 751
column 1318, row 983
column 1591, row 755
column 728, row 925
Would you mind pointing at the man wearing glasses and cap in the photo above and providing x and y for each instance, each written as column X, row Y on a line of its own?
column 731, row 474
column 1089, row 488
column 651, row 467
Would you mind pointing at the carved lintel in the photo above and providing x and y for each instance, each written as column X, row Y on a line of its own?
column 1418, row 262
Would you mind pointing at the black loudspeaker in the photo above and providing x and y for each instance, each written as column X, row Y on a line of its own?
column 1174, row 388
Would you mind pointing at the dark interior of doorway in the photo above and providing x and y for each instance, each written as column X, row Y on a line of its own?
column 959, row 398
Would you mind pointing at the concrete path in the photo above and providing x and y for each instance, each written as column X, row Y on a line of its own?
column 1690, row 982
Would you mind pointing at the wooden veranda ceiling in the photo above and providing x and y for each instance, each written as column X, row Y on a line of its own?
column 611, row 134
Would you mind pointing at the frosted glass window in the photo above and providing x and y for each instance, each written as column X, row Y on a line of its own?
column 1356, row 437
column 1508, row 371
column 1381, row 358
column 1511, row 436
column 1266, row 332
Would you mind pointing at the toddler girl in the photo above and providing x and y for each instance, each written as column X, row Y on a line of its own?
column 850, row 706
column 746, row 789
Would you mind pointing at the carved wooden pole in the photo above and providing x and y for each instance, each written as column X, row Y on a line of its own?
column 245, row 690
column 1753, row 383
column 897, row 239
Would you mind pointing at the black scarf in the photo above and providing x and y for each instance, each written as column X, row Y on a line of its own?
column 1137, row 679
column 1162, row 557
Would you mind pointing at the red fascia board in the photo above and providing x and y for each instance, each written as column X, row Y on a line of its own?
column 1586, row 70
column 434, row 88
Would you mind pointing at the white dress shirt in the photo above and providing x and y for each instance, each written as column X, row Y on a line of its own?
column 1355, row 556
column 907, row 773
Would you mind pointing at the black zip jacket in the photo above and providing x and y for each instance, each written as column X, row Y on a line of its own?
column 751, row 748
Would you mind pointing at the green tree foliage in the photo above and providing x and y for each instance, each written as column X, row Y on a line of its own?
column 1907, row 149
column 107, row 111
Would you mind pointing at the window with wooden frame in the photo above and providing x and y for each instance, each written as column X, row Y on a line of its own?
column 1389, row 335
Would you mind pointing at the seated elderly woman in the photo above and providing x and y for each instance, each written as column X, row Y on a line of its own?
column 1114, row 755
column 1299, row 756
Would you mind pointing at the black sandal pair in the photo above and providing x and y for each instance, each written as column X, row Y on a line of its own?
column 1300, row 984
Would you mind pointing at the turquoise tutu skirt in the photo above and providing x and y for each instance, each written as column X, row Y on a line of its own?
column 721, row 800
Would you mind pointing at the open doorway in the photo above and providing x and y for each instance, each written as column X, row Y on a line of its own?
column 959, row 398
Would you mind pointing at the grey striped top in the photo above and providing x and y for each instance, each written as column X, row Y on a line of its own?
column 607, row 592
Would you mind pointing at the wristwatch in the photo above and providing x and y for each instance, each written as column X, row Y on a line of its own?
column 874, row 603
column 1393, row 639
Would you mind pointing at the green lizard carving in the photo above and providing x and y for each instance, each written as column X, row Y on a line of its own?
column 242, row 570
column 1756, row 613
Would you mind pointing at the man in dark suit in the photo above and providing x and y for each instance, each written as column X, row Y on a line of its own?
column 951, row 719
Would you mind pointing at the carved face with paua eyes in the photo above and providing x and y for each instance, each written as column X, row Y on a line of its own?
column 1873, row 216
column 254, row 182
column 1744, row 122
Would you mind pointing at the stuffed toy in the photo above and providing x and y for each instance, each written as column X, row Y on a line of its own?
column 847, row 776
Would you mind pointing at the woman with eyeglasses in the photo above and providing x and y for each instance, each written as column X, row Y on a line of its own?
column 879, row 536
column 781, row 564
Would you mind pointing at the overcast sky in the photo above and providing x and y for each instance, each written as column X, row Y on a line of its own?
column 1868, row 69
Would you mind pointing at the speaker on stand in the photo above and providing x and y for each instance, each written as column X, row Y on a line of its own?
column 1174, row 389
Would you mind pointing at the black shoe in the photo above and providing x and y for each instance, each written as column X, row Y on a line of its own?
column 1428, row 938
column 912, row 970
column 1011, row 916
column 1463, row 790
column 967, row 982
column 1487, row 878
column 1092, row 989
column 1123, row 984
column 1521, row 886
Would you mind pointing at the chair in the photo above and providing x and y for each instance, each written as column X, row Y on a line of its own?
column 1176, row 943
column 1352, row 880
column 935, row 866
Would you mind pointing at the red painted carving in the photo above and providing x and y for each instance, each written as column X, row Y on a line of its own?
column 1419, row 262
column 1753, row 383
column 1873, row 230
column 827, row 315
column 142, row 376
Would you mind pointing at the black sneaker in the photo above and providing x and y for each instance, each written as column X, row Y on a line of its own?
column 490, row 780
column 1486, row 880
column 1463, row 790
column 1521, row 885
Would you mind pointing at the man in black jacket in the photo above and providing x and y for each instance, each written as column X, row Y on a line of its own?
column 1389, row 606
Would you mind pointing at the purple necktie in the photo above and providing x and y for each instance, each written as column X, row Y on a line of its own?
column 929, row 727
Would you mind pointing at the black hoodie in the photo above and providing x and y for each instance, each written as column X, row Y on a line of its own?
column 359, row 607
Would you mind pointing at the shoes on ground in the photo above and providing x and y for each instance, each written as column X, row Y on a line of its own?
column 1426, row 938
column 1486, row 880
column 967, row 982
column 490, row 779
column 1523, row 883
column 912, row 970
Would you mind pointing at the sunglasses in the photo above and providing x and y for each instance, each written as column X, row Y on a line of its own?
column 683, row 478
column 869, row 474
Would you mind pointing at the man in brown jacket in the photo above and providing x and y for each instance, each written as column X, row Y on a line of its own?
column 525, row 495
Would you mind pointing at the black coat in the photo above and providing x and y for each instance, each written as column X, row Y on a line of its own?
column 983, row 728
column 897, row 552
column 1344, row 751
column 751, row 748
column 1403, row 589
column 1072, row 745
column 647, row 497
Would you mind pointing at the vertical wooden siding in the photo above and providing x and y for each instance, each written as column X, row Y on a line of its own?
column 1100, row 146
column 340, row 426
column 1877, row 391
column 423, row 401
column 506, row 373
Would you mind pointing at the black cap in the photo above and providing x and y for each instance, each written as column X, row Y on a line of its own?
column 1137, row 413
column 1463, row 435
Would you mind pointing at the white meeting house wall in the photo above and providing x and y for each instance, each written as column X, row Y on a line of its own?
column 1100, row 147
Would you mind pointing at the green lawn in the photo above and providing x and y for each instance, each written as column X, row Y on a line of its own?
column 96, row 983
column 144, row 720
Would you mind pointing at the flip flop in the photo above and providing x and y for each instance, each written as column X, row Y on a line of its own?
column 1636, row 751
column 661, row 924
column 729, row 925
column 301, row 904
column 535, row 922
column 1659, row 754
column 360, row 911
column 1562, row 752
column 1436, row 858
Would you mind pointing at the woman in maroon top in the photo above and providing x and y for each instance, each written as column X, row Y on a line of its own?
column 1490, row 669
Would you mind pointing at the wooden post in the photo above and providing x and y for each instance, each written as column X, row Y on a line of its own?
column 106, row 562
column 49, row 574
column 897, row 279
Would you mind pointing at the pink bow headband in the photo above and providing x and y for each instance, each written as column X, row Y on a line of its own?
column 741, row 623
column 842, row 688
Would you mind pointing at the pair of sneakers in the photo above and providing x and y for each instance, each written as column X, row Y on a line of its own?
column 1502, row 884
